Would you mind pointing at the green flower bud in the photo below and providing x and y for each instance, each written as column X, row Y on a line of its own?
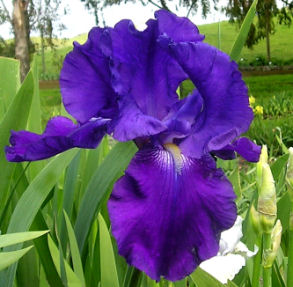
column 269, row 255
column 289, row 173
column 262, row 159
column 267, row 202
column 255, row 220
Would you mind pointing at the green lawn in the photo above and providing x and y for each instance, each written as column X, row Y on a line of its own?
column 281, row 41
column 263, row 87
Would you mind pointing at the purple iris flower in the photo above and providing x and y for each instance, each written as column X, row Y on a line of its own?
column 170, row 207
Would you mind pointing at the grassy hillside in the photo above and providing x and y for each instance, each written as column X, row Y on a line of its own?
column 281, row 41
column 281, row 45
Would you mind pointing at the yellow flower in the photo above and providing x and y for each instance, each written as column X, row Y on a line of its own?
column 258, row 110
column 251, row 100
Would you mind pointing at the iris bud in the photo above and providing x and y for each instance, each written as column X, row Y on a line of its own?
column 269, row 256
column 262, row 159
column 289, row 173
column 267, row 202
column 255, row 220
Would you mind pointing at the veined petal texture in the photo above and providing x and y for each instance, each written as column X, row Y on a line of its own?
column 168, row 211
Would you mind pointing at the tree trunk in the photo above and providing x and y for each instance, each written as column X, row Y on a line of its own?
column 21, row 35
column 268, row 45
column 268, row 29
column 43, row 51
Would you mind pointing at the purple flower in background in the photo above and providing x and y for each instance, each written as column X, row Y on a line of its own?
column 170, row 207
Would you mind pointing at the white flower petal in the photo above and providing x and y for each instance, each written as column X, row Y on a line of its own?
column 223, row 268
column 231, row 237
column 242, row 248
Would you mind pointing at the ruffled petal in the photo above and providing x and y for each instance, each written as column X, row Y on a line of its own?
column 168, row 211
column 141, row 69
column 226, row 108
column 85, row 81
column 60, row 135
column 131, row 123
column 243, row 146
column 247, row 149
column 182, row 116
column 179, row 29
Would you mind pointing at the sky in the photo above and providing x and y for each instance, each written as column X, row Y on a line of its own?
column 79, row 20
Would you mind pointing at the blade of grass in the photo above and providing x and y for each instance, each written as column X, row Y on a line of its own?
column 14, row 238
column 34, row 123
column 76, row 260
column 9, row 79
column 42, row 248
column 68, row 194
column 109, row 276
column 8, row 258
column 14, row 119
column 241, row 38
column 28, row 269
column 33, row 198
column 72, row 278
column 109, row 171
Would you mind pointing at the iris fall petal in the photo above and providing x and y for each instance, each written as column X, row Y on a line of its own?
column 168, row 211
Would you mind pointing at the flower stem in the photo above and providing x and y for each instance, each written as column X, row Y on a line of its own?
column 257, row 263
column 290, row 253
column 267, row 270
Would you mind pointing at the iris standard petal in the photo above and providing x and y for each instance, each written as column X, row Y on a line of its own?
column 141, row 68
column 131, row 123
column 168, row 210
column 225, row 101
column 85, row 80
column 182, row 116
column 60, row 135
column 179, row 29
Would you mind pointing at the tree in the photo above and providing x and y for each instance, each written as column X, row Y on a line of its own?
column 96, row 6
column 46, row 13
column 20, row 24
column 29, row 15
column 267, row 11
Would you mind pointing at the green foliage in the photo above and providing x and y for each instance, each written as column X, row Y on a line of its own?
column 8, row 258
column 245, row 28
column 203, row 279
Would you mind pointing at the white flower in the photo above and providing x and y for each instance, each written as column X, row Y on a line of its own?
column 231, row 256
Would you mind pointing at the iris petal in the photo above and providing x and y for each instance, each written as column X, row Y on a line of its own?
column 132, row 123
column 182, row 116
column 180, row 29
column 60, row 135
column 85, row 80
column 141, row 68
column 168, row 211
column 243, row 146
column 225, row 101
